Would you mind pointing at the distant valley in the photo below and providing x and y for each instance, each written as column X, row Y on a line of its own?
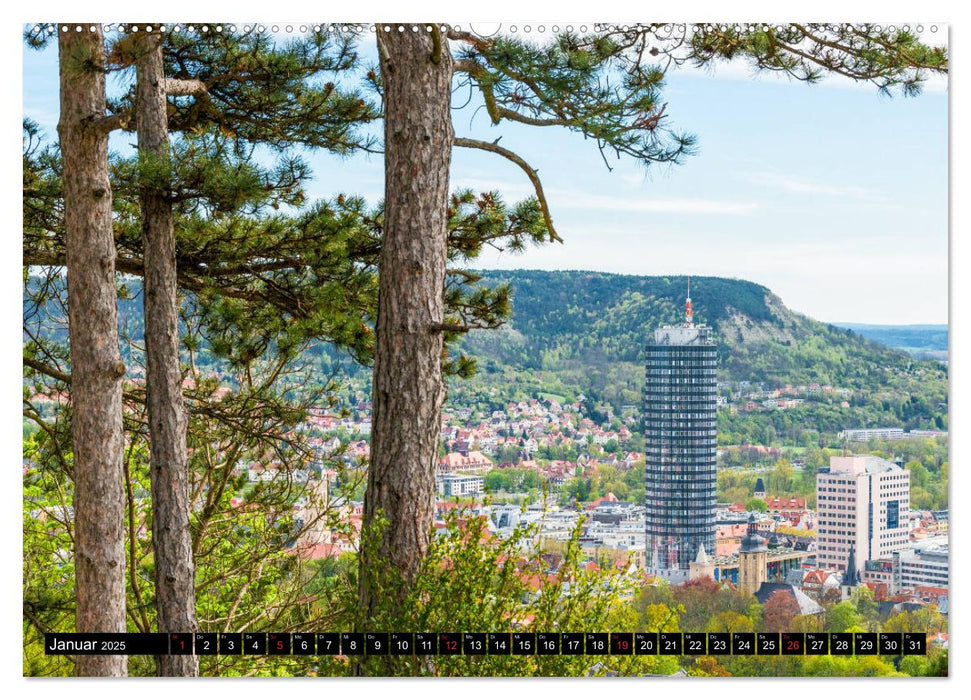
column 925, row 342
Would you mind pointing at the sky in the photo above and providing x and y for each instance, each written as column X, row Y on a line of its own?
column 832, row 196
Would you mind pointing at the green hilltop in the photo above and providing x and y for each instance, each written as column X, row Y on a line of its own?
column 576, row 332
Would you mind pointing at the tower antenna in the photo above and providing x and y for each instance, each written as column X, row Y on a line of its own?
column 689, row 316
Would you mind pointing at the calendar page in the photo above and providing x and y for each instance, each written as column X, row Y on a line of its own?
column 556, row 349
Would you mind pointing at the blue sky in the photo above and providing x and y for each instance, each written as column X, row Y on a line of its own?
column 830, row 195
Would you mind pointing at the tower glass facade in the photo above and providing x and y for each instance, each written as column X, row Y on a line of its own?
column 680, row 433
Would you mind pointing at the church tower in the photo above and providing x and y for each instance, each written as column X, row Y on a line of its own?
column 701, row 567
column 753, row 558
column 851, row 577
column 759, row 491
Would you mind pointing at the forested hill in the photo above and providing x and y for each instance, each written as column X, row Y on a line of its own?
column 596, row 317
column 575, row 333
column 587, row 331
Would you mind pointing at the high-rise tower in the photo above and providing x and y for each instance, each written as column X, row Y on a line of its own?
column 679, row 431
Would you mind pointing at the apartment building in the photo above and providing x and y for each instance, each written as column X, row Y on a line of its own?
column 867, row 434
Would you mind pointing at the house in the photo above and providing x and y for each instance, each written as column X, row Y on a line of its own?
column 472, row 463
column 817, row 583
column 779, row 505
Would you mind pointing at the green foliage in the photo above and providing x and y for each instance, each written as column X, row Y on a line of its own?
column 248, row 575
column 48, row 569
column 862, row 599
column 265, row 281
column 512, row 480
column 756, row 504
column 260, row 89
column 883, row 56
column 736, row 485
column 470, row 581
column 927, row 461
column 842, row 617
column 852, row 666
column 575, row 491
column 557, row 309
column 602, row 480
column 572, row 82
column 698, row 603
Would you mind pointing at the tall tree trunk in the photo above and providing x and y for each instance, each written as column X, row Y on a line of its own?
column 175, row 598
column 408, row 389
column 96, row 366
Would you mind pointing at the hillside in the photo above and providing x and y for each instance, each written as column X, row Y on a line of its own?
column 584, row 332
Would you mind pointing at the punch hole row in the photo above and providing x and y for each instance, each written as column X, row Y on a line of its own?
column 204, row 29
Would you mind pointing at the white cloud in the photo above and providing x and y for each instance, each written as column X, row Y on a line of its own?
column 843, row 279
column 561, row 198
column 566, row 199
column 787, row 183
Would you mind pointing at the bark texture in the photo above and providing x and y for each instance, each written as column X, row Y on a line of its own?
column 171, row 538
column 408, row 389
column 96, row 366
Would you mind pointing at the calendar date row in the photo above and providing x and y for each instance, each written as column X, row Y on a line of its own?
column 491, row 643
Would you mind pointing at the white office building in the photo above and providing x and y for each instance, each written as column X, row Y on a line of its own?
column 867, row 434
column 459, row 484
column 924, row 564
column 862, row 503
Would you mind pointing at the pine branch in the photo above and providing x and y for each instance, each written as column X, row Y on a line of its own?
column 51, row 372
column 531, row 173
column 449, row 328
column 178, row 87
column 107, row 124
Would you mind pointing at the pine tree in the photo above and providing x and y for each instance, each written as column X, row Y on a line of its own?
column 97, row 369
column 277, row 75
column 175, row 597
column 408, row 386
column 255, row 106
